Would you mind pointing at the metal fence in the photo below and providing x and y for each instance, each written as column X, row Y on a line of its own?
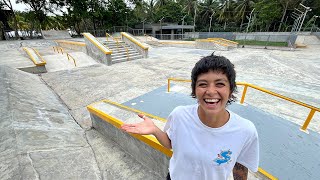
column 286, row 40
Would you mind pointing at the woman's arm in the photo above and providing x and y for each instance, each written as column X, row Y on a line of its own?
column 240, row 172
column 148, row 127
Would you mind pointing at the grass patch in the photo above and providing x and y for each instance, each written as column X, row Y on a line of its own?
column 261, row 43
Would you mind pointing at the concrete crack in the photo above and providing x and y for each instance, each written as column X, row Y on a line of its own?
column 94, row 154
column 34, row 169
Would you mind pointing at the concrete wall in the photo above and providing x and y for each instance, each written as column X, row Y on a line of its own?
column 258, row 36
column 96, row 50
column 146, row 155
column 78, row 46
column 134, row 43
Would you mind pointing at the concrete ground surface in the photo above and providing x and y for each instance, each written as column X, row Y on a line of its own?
column 46, row 130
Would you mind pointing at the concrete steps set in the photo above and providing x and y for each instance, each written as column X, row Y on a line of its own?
column 119, row 51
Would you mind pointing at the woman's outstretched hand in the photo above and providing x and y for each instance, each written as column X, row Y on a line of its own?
column 145, row 127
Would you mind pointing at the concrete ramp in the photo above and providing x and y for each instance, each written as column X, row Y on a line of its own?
column 65, row 61
column 108, row 116
column 305, row 40
column 39, row 139
column 54, row 34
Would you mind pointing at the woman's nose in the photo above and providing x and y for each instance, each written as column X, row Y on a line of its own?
column 211, row 89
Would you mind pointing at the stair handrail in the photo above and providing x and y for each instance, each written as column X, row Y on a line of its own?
column 58, row 47
column 246, row 85
column 74, row 61
column 119, row 44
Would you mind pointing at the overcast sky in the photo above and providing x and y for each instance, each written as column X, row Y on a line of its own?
column 19, row 7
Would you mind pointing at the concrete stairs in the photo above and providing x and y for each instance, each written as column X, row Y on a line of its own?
column 121, row 52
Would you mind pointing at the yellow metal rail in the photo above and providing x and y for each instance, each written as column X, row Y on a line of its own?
column 57, row 48
column 74, row 61
column 246, row 85
column 119, row 44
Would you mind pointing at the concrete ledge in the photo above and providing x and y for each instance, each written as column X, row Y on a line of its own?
column 78, row 46
column 211, row 44
column 128, row 39
column 97, row 50
column 144, row 148
column 35, row 57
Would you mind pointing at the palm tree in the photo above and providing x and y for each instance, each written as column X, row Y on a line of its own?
column 241, row 9
column 191, row 6
column 286, row 4
column 225, row 13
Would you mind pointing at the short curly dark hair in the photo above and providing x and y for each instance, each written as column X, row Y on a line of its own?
column 216, row 64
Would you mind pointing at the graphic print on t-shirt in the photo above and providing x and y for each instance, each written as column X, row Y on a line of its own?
column 223, row 157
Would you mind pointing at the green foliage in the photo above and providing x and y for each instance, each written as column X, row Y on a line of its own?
column 171, row 11
column 268, row 11
column 228, row 15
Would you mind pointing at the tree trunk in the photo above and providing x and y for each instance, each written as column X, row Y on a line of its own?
column 283, row 15
column 195, row 15
column 15, row 22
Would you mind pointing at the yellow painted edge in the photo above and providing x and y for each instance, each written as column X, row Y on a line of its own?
column 95, row 42
column 134, row 41
column 134, row 110
column 214, row 41
column 32, row 58
column 228, row 41
column 148, row 139
column 71, row 42
column 268, row 175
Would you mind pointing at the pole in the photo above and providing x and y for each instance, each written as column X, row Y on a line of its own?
column 161, row 28
column 182, row 25
column 314, row 22
column 304, row 16
column 143, row 26
column 126, row 20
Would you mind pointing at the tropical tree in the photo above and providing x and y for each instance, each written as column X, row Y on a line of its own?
column 285, row 5
column 226, row 12
column 242, row 9
column 8, row 4
column 268, row 11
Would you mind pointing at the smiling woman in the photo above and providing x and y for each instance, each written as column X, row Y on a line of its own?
column 208, row 141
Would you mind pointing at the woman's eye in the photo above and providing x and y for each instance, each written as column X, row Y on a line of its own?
column 202, row 85
column 219, row 84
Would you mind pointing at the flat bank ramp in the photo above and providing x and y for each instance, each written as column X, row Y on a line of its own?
column 285, row 151
column 39, row 139
column 54, row 34
column 58, row 62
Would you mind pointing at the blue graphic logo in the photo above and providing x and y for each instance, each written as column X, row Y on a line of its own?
column 223, row 157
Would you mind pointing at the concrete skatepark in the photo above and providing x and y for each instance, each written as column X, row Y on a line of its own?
column 46, row 129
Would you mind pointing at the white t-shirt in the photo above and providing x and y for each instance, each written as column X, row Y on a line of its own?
column 204, row 153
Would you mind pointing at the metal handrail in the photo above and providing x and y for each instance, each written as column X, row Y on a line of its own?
column 119, row 44
column 57, row 48
column 246, row 85
column 74, row 61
